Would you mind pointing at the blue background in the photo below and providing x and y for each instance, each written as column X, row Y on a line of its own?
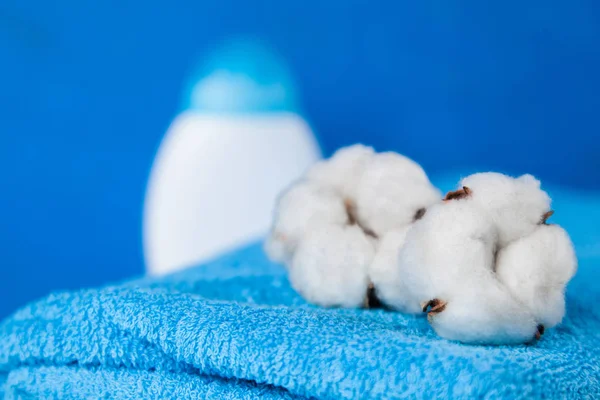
column 87, row 89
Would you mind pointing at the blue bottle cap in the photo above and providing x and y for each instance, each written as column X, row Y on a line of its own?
column 242, row 76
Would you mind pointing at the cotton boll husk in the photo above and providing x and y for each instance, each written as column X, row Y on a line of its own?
column 516, row 205
column 452, row 243
column 536, row 269
column 329, row 267
column 342, row 171
column 391, row 189
column 302, row 207
column 384, row 271
column 483, row 312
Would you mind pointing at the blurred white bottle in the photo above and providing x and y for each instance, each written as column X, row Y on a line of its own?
column 224, row 159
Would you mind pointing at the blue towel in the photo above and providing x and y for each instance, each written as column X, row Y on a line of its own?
column 233, row 328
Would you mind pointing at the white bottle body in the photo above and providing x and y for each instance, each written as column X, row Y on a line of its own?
column 214, row 183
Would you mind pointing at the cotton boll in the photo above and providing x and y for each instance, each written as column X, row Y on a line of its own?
column 448, row 257
column 536, row 269
column 484, row 313
column 329, row 267
column 453, row 243
column 391, row 192
column 384, row 271
column 303, row 206
column 516, row 205
column 342, row 171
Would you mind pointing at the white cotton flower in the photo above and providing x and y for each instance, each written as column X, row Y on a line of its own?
column 392, row 191
column 342, row 171
column 536, row 269
column 300, row 208
column 341, row 205
column 329, row 267
column 484, row 265
column 516, row 205
column 447, row 261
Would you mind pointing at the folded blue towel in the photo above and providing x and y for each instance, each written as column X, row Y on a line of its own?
column 233, row 328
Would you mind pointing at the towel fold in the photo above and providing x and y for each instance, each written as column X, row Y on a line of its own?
column 234, row 328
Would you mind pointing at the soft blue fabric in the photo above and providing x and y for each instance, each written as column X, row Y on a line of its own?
column 233, row 328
